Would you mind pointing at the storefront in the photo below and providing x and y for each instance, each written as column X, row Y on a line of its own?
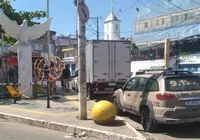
column 190, row 63
column 71, row 62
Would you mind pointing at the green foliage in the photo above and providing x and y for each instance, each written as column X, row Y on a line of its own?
column 18, row 17
column 75, row 2
column 134, row 46
column 185, row 53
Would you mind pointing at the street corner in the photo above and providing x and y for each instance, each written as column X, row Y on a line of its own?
column 37, row 107
column 21, row 103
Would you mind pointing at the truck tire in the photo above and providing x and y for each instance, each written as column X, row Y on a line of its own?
column 89, row 94
column 147, row 121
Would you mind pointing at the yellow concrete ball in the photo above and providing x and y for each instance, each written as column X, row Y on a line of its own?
column 104, row 112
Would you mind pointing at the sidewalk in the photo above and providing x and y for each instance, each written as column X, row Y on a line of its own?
column 62, row 116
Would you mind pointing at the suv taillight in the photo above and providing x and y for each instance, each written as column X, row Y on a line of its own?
column 165, row 96
column 97, row 86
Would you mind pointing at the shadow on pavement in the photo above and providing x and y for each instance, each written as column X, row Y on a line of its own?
column 191, row 130
column 116, row 123
column 6, row 101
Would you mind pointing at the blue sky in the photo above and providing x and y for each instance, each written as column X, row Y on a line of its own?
column 64, row 14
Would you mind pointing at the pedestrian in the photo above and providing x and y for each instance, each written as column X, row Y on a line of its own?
column 62, row 83
column 66, row 76
column 16, row 73
column 11, row 75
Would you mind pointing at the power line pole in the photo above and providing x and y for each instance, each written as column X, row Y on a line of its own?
column 81, row 60
column 97, row 24
column 97, row 28
column 166, row 52
column 48, row 43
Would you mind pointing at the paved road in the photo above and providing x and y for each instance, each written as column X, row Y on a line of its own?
column 167, row 132
column 15, row 131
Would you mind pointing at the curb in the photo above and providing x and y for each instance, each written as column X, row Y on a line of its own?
column 67, row 128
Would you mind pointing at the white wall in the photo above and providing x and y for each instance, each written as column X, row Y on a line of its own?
column 137, row 65
column 110, row 30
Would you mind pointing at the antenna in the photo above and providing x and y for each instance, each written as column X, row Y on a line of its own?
column 112, row 6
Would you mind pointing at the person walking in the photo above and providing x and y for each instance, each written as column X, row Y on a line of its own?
column 11, row 75
column 66, row 77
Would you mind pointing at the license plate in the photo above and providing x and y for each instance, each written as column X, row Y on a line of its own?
column 112, row 84
column 192, row 103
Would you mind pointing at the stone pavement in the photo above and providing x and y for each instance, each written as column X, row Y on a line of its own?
column 62, row 116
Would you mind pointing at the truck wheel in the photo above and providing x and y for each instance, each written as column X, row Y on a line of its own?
column 147, row 121
column 76, row 89
column 119, row 110
column 89, row 94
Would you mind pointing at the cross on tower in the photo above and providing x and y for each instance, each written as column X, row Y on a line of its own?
column 112, row 6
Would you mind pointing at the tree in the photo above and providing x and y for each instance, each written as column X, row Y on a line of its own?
column 133, row 46
column 18, row 17
column 75, row 2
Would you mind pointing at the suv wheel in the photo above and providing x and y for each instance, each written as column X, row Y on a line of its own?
column 119, row 110
column 147, row 121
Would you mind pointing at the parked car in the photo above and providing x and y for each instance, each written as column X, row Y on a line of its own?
column 160, row 97
column 74, row 82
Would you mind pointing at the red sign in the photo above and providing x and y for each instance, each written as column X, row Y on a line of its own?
column 12, row 60
column 36, row 53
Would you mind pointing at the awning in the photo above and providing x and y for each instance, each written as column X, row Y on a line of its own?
column 67, row 49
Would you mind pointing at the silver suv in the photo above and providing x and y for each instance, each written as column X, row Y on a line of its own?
column 160, row 97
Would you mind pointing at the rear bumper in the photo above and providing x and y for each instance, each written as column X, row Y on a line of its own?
column 177, row 115
column 162, row 120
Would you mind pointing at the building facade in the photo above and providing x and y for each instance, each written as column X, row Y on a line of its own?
column 40, row 46
column 173, row 19
column 112, row 27
column 68, row 51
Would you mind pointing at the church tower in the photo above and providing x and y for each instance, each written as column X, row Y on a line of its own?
column 112, row 26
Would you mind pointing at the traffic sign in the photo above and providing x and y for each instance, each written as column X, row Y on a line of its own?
column 83, row 12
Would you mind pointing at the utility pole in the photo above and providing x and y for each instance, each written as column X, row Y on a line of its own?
column 97, row 28
column 81, row 60
column 48, row 43
column 97, row 20
column 1, row 43
column 166, row 52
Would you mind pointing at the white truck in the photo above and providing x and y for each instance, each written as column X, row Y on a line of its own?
column 108, row 64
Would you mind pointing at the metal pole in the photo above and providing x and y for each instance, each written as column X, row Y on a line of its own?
column 166, row 52
column 1, row 43
column 81, row 66
column 97, row 28
column 48, row 43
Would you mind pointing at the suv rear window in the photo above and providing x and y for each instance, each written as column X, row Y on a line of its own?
column 182, row 84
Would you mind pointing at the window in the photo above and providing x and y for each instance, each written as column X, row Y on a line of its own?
column 163, row 21
column 130, row 84
column 107, row 37
column 146, row 25
column 175, row 19
column 157, row 22
column 152, row 85
column 66, row 55
column 197, row 14
column 140, row 85
column 182, row 84
column 117, row 27
column 186, row 16
column 107, row 27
